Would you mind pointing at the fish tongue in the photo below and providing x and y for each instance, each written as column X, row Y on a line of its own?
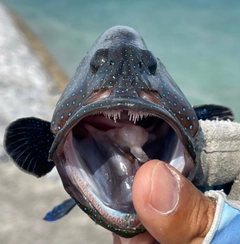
column 132, row 137
column 128, row 136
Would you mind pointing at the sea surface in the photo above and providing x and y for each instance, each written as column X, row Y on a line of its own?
column 197, row 41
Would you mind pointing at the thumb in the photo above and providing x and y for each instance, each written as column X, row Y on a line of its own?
column 170, row 207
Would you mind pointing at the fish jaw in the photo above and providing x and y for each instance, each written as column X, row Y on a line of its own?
column 97, row 163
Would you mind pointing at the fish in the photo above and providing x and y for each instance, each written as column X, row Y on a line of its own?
column 120, row 109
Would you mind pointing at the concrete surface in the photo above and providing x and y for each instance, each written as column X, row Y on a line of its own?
column 27, row 89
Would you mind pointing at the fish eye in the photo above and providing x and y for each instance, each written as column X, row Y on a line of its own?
column 99, row 59
column 152, row 68
column 150, row 62
column 94, row 67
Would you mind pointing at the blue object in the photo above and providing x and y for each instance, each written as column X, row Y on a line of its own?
column 60, row 210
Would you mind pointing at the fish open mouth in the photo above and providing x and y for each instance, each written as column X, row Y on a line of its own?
column 103, row 152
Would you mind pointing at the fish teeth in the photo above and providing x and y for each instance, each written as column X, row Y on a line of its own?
column 115, row 116
column 112, row 114
column 119, row 114
column 130, row 115
column 134, row 116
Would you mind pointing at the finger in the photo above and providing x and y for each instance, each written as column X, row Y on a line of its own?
column 169, row 206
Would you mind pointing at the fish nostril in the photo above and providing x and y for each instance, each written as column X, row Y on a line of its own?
column 112, row 63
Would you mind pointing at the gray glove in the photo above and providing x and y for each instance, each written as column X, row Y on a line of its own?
column 218, row 155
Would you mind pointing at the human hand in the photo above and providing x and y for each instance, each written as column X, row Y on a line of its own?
column 169, row 206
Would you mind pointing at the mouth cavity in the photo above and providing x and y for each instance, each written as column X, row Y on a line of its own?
column 105, row 150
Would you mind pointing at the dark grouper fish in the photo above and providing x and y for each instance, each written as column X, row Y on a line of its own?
column 120, row 109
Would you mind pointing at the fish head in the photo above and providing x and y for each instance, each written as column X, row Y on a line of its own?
column 120, row 109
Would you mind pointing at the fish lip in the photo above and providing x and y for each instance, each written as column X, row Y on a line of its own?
column 133, row 104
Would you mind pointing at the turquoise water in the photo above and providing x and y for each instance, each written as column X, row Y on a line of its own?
column 198, row 41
